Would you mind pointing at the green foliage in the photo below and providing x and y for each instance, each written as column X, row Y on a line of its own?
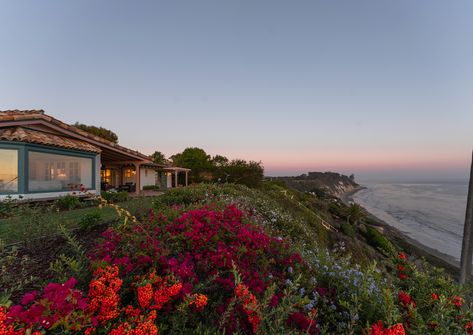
column 354, row 213
column 219, row 168
column 90, row 220
column 115, row 197
column 151, row 188
column 30, row 225
column 7, row 207
column 67, row 202
column 74, row 265
column 98, row 131
column 348, row 229
column 241, row 172
column 219, row 160
column 379, row 241
column 158, row 158
column 195, row 159
column 14, row 277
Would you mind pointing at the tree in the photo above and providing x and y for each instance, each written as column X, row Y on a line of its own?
column 219, row 160
column 98, row 131
column 158, row 158
column 242, row 172
column 197, row 160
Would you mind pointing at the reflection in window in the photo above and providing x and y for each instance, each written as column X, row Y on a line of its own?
column 51, row 172
column 8, row 171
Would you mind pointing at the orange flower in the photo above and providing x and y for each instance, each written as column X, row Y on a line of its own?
column 198, row 301
column 145, row 294
column 164, row 294
column 103, row 297
column 250, row 305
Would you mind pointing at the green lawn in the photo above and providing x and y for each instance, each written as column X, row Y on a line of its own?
column 33, row 224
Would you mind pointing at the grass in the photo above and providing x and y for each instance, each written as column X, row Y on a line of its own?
column 33, row 222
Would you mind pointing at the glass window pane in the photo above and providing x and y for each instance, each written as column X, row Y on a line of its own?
column 51, row 172
column 8, row 171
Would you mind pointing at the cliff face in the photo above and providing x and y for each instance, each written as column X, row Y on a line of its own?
column 330, row 182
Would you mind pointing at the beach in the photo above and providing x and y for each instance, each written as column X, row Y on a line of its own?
column 407, row 243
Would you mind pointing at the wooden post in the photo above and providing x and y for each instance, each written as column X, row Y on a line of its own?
column 467, row 244
column 187, row 177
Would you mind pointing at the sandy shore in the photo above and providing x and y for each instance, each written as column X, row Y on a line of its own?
column 408, row 244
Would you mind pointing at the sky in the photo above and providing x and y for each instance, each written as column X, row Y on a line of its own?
column 379, row 88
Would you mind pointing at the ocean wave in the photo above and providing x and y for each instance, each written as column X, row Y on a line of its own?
column 432, row 214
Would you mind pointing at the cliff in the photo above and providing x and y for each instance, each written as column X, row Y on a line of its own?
column 332, row 183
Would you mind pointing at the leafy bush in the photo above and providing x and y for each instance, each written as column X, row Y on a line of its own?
column 379, row 241
column 150, row 187
column 115, row 197
column 90, row 220
column 67, row 202
column 7, row 207
column 348, row 229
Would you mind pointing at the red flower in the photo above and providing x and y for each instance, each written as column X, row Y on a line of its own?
column 378, row 329
column 469, row 328
column 402, row 255
column 406, row 300
column 435, row 296
column 402, row 276
column 457, row 301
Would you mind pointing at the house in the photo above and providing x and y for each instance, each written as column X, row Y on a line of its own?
column 42, row 158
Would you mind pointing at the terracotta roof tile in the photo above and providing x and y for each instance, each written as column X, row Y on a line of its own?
column 22, row 115
column 21, row 134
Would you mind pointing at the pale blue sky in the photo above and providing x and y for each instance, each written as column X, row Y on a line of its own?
column 375, row 87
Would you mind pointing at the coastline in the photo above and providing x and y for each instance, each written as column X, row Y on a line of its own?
column 408, row 244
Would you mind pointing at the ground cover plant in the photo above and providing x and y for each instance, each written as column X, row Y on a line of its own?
column 224, row 259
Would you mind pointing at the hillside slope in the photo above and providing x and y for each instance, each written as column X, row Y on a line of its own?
column 224, row 258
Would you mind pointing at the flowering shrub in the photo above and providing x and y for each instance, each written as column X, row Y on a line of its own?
column 214, row 268
column 378, row 329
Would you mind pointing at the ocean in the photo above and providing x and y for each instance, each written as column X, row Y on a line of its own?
column 432, row 214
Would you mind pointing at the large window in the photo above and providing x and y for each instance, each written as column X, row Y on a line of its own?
column 51, row 172
column 8, row 171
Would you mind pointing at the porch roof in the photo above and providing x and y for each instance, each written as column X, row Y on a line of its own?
column 175, row 168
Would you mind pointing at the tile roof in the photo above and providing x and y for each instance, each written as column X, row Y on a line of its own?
column 26, row 115
column 22, row 134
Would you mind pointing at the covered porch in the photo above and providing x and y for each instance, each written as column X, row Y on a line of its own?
column 126, row 170
column 170, row 177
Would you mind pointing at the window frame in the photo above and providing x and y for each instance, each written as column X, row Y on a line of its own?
column 23, row 163
column 19, row 171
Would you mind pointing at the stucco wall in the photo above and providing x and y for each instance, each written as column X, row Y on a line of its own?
column 147, row 177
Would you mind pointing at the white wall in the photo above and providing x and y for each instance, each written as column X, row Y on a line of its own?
column 43, row 196
column 147, row 177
